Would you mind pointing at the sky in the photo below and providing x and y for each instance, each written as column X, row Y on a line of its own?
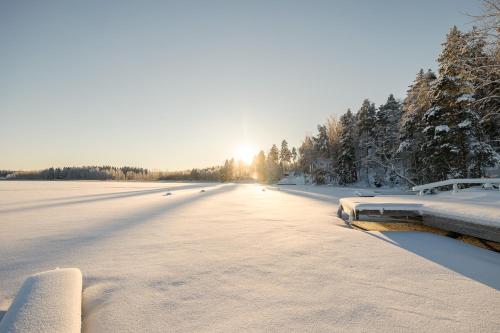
column 173, row 85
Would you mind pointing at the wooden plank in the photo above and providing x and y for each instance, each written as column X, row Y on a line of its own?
column 397, row 226
column 389, row 218
column 491, row 233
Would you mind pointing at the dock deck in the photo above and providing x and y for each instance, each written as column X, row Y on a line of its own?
column 472, row 212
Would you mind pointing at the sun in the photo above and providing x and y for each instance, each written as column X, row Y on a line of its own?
column 245, row 153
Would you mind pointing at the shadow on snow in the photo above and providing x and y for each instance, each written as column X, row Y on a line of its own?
column 51, row 249
column 91, row 198
column 473, row 262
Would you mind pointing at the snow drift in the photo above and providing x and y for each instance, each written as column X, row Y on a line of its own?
column 47, row 302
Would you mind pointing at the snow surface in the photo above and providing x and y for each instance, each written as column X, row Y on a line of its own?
column 47, row 302
column 351, row 204
column 236, row 258
column 465, row 123
column 466, row 98
column 442, row 128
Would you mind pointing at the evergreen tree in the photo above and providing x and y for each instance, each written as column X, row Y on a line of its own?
column 294, row 158
column 480, row 74
column 416, row 103
column 481, row 69
column 366, row 119
column 333, row 131
column 273, row 170
column 322, row 165
column 346, row 167
column 285, row 155
column 227, row 172
column 321, row 142
column 260, row 166
column 387, row 135
column 452, row 145
column 307, row 155
column 444, row 156
column 273, row 155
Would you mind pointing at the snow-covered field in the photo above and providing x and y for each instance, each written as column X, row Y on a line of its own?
column 236, row 258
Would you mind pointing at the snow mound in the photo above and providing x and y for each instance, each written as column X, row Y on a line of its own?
column 465, row 123
column 365, row 193
column 47, row 302
column 466, row 98
column 292, row 180
column 442, row 128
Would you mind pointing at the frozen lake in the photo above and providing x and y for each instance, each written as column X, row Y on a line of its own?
column 237, row 258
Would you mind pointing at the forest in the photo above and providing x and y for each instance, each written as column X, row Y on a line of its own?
column 447, row 126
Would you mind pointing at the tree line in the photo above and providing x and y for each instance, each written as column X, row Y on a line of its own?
column 264, row 168
column 447, row 126
column 83, row 173
column 113, row 173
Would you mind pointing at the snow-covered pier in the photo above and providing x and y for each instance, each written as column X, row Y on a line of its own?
column 473, row 212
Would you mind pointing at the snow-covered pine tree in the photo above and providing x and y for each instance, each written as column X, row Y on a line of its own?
column 273, row 170
column 444, row 155
column 321, row 142
column 322, row 170
column 451, row 143
column 227, row 171
column 416, row 103
column 333, row 132
column 346, row 166
column 260, row 166
column 285, row 156
column 480, row 67
column 365, row 151
column 488, row 73
column 387, row 137
column 306, row 151
column 492, row 118
column 273, row 155
column 294, row 158
column 479, row 75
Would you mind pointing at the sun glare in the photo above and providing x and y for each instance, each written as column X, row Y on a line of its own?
column 245, row 153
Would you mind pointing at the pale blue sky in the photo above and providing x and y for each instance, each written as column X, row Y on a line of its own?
column 174, row 85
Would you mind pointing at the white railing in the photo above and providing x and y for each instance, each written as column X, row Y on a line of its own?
column 487, row 181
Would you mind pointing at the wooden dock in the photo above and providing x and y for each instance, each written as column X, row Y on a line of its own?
column 384, row 211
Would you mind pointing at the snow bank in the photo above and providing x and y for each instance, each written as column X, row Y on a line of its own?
column 292, row 180
column 47, row 302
